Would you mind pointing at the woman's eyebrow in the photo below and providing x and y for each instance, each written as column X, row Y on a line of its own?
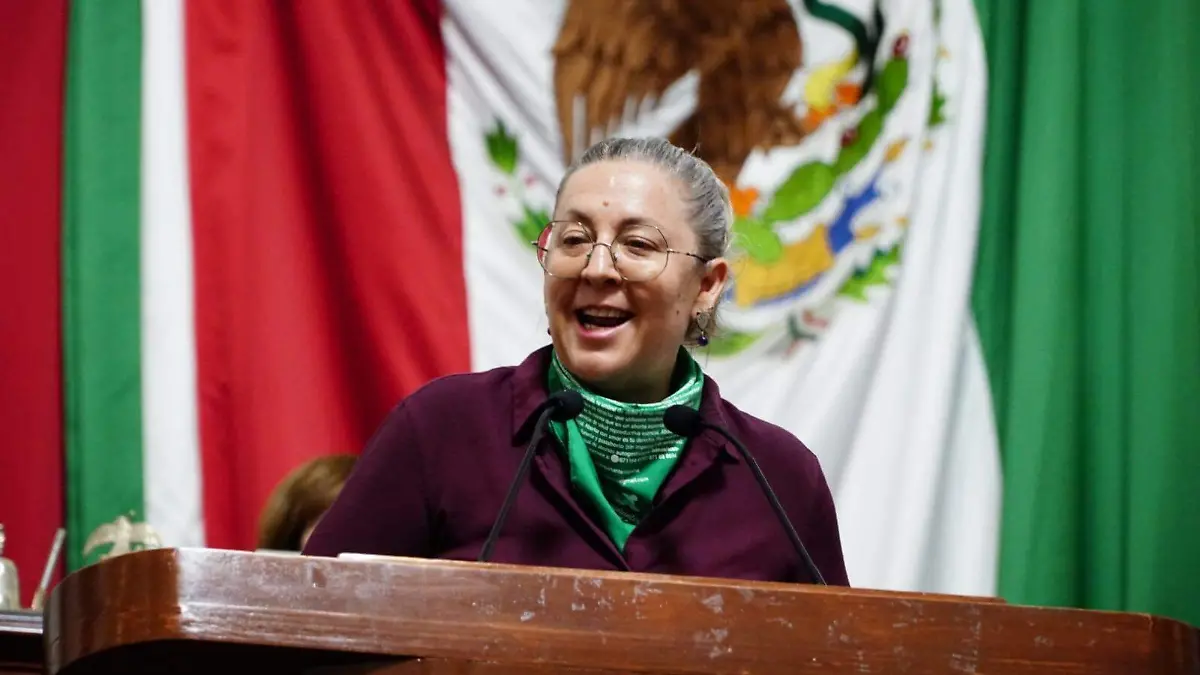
column 625, row 223
column 576, row 214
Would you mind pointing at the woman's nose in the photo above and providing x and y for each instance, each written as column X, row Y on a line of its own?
column 601, row 266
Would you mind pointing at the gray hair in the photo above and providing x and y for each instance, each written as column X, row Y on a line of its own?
column 710, row 211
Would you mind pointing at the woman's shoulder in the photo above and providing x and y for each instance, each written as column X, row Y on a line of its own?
column 464, row 393
column 459, row 391
column 767, row 441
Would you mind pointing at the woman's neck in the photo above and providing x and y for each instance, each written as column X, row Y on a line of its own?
column 634, row 392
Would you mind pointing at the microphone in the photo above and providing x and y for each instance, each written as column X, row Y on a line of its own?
column 560, row 407
column 683, row 421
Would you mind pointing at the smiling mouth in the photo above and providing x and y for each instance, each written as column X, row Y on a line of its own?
column 606, row 318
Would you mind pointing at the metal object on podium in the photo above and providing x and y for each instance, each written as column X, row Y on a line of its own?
column 10, row 589
column 39, row 595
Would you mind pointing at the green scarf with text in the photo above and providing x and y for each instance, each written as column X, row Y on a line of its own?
column 620, row 453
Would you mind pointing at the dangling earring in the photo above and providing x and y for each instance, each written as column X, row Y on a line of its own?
column 702, row 340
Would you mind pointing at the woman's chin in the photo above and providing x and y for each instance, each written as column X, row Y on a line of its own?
column 598, row 367
column 595, row 367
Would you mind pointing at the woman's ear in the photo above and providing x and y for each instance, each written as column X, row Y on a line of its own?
column 712, row 284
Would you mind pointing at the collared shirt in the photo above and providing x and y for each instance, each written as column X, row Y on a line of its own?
column 431, row 481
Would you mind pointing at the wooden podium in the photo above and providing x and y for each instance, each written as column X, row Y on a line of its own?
column 205, row 611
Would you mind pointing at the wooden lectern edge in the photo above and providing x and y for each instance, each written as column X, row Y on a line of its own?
column 153, row 595
column 658, row 578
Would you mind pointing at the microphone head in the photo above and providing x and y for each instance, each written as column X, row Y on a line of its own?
column 683, row 421
column 566, row 404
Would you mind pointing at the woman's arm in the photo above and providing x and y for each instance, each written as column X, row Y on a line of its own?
column 822, row 536
column 384, row 507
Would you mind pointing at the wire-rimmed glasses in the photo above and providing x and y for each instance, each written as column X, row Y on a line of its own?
column 639, row 252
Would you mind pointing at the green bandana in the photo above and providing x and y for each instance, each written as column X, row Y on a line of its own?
column 620, row 453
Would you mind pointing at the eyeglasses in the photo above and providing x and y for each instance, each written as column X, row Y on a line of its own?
column 639, row 253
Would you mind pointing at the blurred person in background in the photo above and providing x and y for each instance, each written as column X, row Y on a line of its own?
column 300, row 499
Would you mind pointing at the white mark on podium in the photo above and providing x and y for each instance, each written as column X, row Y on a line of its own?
column 715, row 602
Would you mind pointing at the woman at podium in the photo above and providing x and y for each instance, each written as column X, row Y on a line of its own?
column 634, row 268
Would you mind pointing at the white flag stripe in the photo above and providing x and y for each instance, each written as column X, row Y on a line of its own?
column 170, row 436
column 892, row 495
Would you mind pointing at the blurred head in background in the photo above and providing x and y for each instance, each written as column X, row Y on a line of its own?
column 634, row 264
column 299, row 501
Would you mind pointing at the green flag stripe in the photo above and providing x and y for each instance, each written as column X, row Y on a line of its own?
column 101, row 327
column 1085, row 299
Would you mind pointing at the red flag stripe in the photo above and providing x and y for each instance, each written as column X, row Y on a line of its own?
column 327, row 234
column 31, row 86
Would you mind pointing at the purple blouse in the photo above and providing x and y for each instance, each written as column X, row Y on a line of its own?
column 430, row 483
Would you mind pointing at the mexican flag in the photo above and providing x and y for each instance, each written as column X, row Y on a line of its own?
column 254, row 227
column 278, row 220
column 855, row 175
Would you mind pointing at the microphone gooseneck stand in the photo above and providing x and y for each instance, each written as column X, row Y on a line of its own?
column 684, row 421
column 560, row 407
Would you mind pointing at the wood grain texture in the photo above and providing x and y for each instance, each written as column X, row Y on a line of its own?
column 184, row 611
column 459, row 667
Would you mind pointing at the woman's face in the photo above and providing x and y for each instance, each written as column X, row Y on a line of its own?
column 621, row 337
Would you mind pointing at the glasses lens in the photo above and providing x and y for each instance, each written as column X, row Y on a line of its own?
column 543, row 241
column 641, row 253
column 563, row 249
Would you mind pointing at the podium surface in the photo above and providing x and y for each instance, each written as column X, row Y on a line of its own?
column 197, row 610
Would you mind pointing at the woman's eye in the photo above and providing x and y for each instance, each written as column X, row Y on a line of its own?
column 640, row 245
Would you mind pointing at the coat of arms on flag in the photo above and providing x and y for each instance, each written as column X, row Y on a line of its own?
column 809, row 135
